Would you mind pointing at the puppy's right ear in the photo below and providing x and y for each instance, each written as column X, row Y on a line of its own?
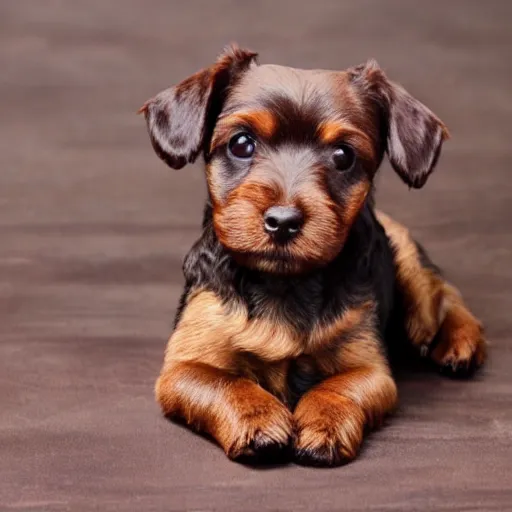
column 180, row 119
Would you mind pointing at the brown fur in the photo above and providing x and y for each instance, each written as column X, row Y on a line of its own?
column 461, row 341
column 421, row 287
column 237, row 412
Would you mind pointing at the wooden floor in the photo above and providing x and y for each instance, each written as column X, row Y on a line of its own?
column 93, row 228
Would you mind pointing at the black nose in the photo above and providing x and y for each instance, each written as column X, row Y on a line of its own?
column 283, row 222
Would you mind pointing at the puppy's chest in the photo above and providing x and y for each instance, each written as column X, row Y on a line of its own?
column 293, row 322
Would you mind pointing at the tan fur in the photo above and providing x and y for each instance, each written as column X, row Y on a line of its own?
column 356, row 196
column 329, row 426
column 203, row 333
column 434, row 306
column 207, row 381
column 235, row 411
column 211, row 332
column 261, row 122
column 323, row 335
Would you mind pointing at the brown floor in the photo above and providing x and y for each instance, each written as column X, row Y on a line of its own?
column 93, row 228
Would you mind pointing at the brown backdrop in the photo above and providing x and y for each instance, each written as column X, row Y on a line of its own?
column 93, row 228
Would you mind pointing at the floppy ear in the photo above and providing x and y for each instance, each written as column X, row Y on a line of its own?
column 414, row 133
column 180, row 119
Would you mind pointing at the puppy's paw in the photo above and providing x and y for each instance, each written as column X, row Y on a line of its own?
column 462, row 348
column 326, row 433
column 421, row 327
column 262, row 434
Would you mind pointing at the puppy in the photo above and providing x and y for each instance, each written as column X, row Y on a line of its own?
column 279, row 340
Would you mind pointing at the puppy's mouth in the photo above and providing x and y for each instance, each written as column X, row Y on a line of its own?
column 278, row 254
column 278, row 261
column 273, row 257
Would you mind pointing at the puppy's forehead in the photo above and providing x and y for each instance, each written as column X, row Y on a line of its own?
column 328, row 92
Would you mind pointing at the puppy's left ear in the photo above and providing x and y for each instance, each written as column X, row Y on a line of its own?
column 414, row 133
column 180, row 119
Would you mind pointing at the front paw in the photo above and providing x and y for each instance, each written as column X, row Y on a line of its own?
column 327, row 432
column 262, row 433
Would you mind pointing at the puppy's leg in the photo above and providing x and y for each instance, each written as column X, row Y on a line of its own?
column 200, row 384
column 245, row 420
column 433, row 307
column 331, row 418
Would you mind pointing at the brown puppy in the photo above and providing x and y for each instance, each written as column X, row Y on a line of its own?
column 280, row 335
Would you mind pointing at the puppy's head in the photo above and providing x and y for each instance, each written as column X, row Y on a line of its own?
column 291, row 154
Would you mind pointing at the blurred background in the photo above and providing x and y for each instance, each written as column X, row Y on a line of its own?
column 93, row 229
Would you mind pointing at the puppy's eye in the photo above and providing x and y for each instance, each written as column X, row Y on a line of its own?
column 343, row 157
column 242, row 146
